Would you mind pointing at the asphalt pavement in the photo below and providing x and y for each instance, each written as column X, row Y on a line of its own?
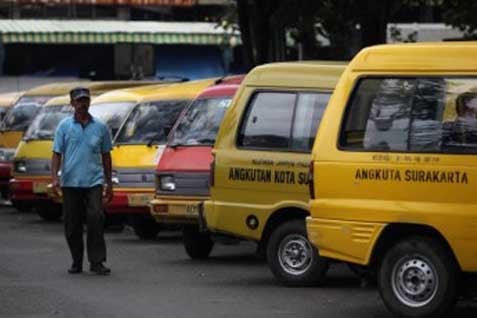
column 157, row 279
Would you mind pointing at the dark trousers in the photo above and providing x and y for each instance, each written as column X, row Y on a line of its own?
column 80, row 205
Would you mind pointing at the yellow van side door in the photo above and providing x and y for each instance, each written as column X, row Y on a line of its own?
column 265, row 166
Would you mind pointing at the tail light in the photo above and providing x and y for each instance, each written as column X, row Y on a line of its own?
column 212, row 172
column 311, row 185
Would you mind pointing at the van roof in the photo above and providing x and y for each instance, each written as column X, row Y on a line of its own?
column 226, row 86
column 128, row 94
column 180, row 91
column 418, row 57
column 97, row 87
column 53, row 89
column 8, row 99
column 309, row 74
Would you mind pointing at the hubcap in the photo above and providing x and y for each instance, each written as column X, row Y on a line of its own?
column 414, row 281
column 295, row 254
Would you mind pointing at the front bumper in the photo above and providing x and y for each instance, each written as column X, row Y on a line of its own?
column 184, row 210
column 130, row 202
column 344, row 240
column 5, row 176
column 26, row 189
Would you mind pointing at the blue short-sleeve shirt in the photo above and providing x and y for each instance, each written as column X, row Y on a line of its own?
column 81, row 149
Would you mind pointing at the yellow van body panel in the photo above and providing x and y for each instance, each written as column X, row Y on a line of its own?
column 34, row 149
column 349, row 213
column 283, row 175
column 9, row 140
column 139, row 156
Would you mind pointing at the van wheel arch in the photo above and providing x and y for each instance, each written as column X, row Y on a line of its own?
column 395, row 232
column 276, row 218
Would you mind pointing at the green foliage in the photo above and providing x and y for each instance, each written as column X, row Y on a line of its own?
column 461, row 14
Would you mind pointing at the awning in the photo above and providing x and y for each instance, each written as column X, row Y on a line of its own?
column 112, row 32
column 112, row 2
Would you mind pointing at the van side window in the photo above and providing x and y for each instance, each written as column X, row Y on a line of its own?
column 412, row 115
column 309, row 110
column 268, row 121
column 282, row 120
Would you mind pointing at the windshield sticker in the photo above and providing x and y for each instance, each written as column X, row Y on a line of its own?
column 415, row 176
column 224, row 104
column 130, row 129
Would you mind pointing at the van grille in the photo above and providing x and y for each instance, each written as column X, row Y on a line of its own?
column 135, row 178
column 36, row 167
column 190, row 183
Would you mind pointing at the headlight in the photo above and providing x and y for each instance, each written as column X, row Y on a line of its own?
column 20, row 166
column 114, row 177
column 167, row 183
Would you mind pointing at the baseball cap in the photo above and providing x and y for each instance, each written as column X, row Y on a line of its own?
column 79, row 92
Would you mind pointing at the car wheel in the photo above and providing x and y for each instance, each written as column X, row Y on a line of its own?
column 49, row 212
column 145, row 229
column 292, row 258
column 198, row 245
column 21, row 206
column 418, row 278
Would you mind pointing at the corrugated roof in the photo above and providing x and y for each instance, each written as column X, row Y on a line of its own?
column 111, row 32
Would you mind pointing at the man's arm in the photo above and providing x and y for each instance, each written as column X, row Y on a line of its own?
column 55, row 167
column 108, row 193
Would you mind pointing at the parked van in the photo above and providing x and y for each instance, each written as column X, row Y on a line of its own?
column 7, row 100
column 182, row 175
column 138, row 147
column 259, row 177
column 6, row 154
column 31, row 167
column 19, row 117
column 394, row 170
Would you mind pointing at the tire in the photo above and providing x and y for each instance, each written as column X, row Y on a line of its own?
column 49, row 212
column 198, row 245
column 21, row 206
column 145, row 229
column 306, row 268
column 418, row 277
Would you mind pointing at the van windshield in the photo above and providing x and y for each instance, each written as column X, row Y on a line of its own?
column 3, row 112
column 150, row 122
column 201, row 122
column 22, row 113
column 112, row 114
column 44, row 125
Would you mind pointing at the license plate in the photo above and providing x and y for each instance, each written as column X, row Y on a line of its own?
column 186, row 209
column 139, row 199
column 192, row 209
column 39, row 187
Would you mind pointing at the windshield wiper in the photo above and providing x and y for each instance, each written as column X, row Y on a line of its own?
column 206, row 141
column 152, row 140
column 176, row 144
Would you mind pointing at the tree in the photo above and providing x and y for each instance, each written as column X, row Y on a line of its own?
column 461, row 14
column 348, row 25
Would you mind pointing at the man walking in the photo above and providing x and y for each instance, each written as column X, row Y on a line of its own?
column 82, row 148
